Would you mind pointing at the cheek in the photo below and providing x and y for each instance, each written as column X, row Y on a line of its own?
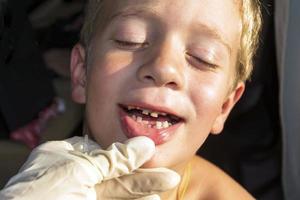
column 103, row 92
column 207, row 97
column 98, row 112
column 106, row 64
column 109, row 71
column 100, row 87
column 207, row 107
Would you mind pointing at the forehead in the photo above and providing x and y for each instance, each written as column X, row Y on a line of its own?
column 221, row 18
column 206, row 9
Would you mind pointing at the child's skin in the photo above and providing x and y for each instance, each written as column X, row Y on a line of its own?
column 170, row 56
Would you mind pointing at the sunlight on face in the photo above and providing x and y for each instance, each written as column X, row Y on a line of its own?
column 162, row 69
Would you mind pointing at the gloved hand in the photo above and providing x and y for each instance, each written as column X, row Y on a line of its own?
column 60, row 170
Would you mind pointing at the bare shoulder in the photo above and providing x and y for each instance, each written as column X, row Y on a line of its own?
column 210, row 182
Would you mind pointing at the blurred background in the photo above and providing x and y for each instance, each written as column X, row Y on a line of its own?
column 36, row 37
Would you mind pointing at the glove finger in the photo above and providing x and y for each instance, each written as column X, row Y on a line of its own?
column 120, row 159
column 151, row 197
column 142, row 183
column 150, row 181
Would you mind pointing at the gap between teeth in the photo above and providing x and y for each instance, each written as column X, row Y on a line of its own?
column 147, row 112
column 158, row 124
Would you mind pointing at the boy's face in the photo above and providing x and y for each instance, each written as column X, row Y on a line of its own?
column 172, row 57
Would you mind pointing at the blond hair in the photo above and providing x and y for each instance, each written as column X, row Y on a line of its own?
column 251, row 25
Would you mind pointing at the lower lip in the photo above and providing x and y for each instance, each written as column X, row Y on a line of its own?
column 131, row 129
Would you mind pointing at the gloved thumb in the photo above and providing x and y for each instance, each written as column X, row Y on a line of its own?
column 120, row 159
column 151, row 197
column 141, row 184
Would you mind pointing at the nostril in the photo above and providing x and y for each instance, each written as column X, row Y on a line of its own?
column 160, row 82
column 160, row 76
column 149, row 77
column 172, row 85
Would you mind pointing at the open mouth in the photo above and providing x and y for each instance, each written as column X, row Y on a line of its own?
column 158, row 126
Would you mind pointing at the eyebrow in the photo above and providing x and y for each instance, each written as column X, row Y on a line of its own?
column 215, row 34
column 140, row 11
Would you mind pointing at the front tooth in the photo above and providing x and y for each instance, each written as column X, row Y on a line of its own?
column 139, row 119
column 163, row 114
column 159, row 125
column 165, row 124
column 134, row 117
column 154, row 114
column 146, row 112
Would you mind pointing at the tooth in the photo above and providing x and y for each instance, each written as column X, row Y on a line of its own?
column 149, row 126
column 145, row 122
column 154, row 114
column 134, row 117
column 165, row 124
column 163, row 114
column 130, row 107
column 139, row 119
column 159, row 125
column 170, row 124
column 146, row 112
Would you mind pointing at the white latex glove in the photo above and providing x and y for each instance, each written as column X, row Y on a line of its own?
column 59, row 170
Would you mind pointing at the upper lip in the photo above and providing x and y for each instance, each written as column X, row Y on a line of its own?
column 155, row 108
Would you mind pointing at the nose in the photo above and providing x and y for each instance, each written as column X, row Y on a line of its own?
column 163, row 68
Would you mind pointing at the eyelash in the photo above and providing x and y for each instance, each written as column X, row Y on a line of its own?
column 203, row 62
column 130, row 45
column 127, row 45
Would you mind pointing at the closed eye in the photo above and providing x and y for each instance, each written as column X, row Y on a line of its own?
column 200, row 63
column 132, row 46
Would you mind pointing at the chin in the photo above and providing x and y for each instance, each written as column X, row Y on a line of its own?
column 158, row 161
column 153, row 164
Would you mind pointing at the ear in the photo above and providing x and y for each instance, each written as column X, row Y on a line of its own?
column 78, row 73
column 227, row 106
